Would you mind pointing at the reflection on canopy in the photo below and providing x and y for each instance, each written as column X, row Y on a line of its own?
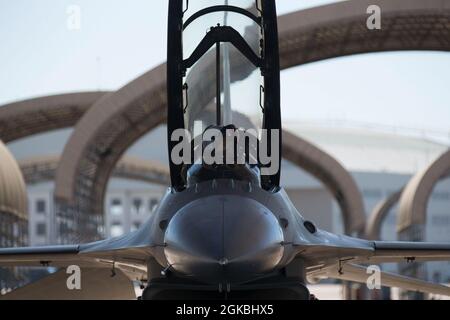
column 237, row 89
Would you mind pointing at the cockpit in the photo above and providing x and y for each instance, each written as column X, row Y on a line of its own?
column 218, row 75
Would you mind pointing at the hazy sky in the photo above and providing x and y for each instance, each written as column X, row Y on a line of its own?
column 119, row 40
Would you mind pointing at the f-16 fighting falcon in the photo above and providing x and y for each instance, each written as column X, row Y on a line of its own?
column 226, row 228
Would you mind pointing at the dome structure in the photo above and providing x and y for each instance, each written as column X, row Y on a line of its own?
column 13, row 196
column 13, row 215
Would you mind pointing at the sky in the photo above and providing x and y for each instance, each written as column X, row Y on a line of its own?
column 118, row 40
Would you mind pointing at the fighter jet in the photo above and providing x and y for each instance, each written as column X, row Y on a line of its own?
column 226, row 228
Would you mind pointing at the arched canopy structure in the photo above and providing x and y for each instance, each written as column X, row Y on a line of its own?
column 133, row 111
column 414, row 199
column 378, row 214
column 28, row 117
column 340, row 29
column 42, row 169
column 306, row 36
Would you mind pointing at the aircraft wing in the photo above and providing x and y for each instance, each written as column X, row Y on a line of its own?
column 327, row 247
column 133, row 261
column 399, row 251
column 49, row 256
column 336, row 257
column 94, row 255
column 104, row 263
column 131, row 250
column 356, row 273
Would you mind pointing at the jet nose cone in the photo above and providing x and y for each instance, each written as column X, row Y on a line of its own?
column 224, row 238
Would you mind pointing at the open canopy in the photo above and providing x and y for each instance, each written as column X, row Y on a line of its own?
column 223, row 82
column 223, row 69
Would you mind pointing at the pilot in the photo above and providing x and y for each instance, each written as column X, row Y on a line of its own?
column 203, row 172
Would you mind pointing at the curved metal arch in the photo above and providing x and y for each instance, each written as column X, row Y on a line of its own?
column 340, row 29
column 143, row 101
column 28, row 117
column 40, row 169
column 381, row 210
column 305, row 36
column 379, row 213
column 414, row 199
